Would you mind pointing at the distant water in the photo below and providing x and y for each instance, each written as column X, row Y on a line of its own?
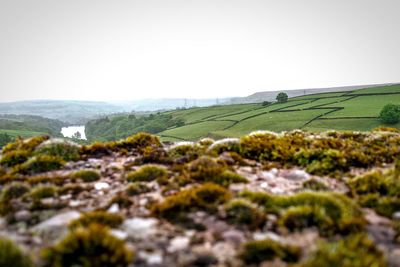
column 71, row 130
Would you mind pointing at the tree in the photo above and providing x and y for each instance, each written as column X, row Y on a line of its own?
column 282, row 97
column 390, row 114
column 5, row 139
column 77, row 135
column 265, row 103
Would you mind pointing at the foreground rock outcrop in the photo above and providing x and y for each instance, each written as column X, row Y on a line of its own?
column 266, row 199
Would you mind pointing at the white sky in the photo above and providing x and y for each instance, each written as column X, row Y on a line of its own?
column 126, row 49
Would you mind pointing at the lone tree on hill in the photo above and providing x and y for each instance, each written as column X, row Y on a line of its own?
column 282, row 97
column 390, row 114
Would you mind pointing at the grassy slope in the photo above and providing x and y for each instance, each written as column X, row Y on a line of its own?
column 313, row 112
column 22, row 133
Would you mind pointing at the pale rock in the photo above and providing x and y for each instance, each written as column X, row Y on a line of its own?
column 151, row 258
column 101, row 185
column 178, row 243
column 224, row 251
column 266, row 235
column 119, row 234
column 138, row 228
column 295, row 175
column 234, row 237
column 56, row 226
column 396, row 215
column 23, row 215
column 114, row 208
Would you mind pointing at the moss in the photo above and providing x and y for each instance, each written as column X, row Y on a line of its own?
column 147, row 173
column 137, row 188
column 244, row 213
column 121, row 200
column 315, row 185
column 330, row 212
column 41, row 163
column 185, row 151
column 377, row 190
column 60, row 148
column 224, row 145
column 205, row 197
column 47, row 179
column 86, row 175
column 28, row 145
column 353, row 251
column 14, row 190
column 302, row 217
column 73, row 189
column 140, row 141
column 98, row 149
column 12, row 255
column 255, row 252
column 43, row 191
column 89, row 247
column 111, row 220
column 396, row 227
column 322, row 161
column 206, row 142
column 153, row 154
column 14, row 157
column 206, row 169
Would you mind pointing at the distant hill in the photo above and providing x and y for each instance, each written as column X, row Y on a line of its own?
column 271, row 95
column 346, row 110
column 74, row 112
column 28, row 125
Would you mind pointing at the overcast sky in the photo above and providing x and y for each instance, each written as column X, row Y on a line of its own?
column 126, row 49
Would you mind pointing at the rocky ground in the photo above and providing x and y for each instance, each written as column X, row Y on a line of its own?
column 164, row 222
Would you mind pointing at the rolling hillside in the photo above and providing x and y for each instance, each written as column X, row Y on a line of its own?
column 346, row 110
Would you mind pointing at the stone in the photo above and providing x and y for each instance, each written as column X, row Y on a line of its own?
column 23, row 215
column 178, row 243
column 396, row 215
column 56, row 226
column 295, row 175
column 151, row 258
column 101, row 185
column 114, row 208
column 234, row 237
column 140, row 228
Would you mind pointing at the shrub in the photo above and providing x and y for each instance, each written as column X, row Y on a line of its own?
column 147, row 173
column 204, row 197
column 243, row 212
column 390, row 114
column 255, row 252
column 98, row 217
column 14, row 190
column 14, row 157
column 60, row 148
column 88, row 247
column 86, row 175
column 353, row 251
column 40, row 163
column 11, row 255
column 43, row 191
column 282, row 97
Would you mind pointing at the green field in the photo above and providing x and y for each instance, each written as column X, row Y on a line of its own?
column 352, row 110
column 24, row 134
